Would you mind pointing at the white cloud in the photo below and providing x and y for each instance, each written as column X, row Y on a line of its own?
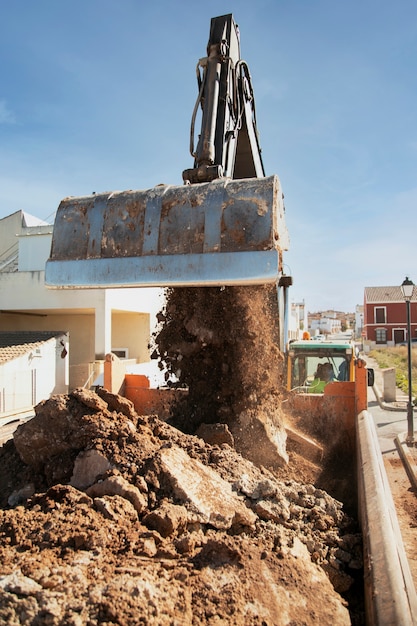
column 6, row 116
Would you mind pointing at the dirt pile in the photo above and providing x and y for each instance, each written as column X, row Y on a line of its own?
column 113, row 518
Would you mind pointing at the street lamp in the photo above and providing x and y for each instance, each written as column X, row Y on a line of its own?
column 407, row 289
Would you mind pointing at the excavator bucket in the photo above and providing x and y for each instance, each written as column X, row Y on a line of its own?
column 224, row 232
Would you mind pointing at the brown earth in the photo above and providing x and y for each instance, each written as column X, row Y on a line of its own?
column 135, row 545
column 108, row 517
column 405, row 501
column 221, row 343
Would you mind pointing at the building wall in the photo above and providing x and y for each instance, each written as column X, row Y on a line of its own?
column 395, row 320
column 129, row 330
column 359, row 320
column 326, row 325
column 86, row 314
column 33, row 250
column 132, row 331
column 9, row 227
column 34, row 376
column 80, row 329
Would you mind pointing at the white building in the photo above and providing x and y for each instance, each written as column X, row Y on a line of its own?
column 298, row 322
column 97, row 321
column 33, row 366
column 359, row 320
column 327, row 324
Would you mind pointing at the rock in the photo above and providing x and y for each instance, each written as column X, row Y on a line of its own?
column 21, row 495
column 167, row 519
column 118, row 486
column 267, row 510
column 16, row 582
column 207, row 495
column 89, row 399
column 215, row 434
column 45, row 435
column 118, row 403
column 87, row 466
column 146, row 546
column 256, row 488
column 260, row 436
column 115, row 508
column 65, row 425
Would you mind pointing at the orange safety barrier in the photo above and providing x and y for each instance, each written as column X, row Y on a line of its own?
column 147, row 400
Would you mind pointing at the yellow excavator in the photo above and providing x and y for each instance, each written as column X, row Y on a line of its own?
column 225, row 226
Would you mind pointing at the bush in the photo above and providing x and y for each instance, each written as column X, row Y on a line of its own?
column 397, row 358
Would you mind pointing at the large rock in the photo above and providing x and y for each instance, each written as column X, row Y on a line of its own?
column 87, row 466
column 260, row 436
column 118, row 486
column 208, row 497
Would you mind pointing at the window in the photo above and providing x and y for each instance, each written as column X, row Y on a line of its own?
column 306, row 368
column 381, row 335
column 380, row 315
column 121, row 353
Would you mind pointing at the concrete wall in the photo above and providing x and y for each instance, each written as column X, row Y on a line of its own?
column 33, row 250
column 132, row 331
column 80, row 329
column 9, row 227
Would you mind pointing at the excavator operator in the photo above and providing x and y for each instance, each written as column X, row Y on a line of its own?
column 324, row 375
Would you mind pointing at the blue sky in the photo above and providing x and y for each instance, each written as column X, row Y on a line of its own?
column 97, row 95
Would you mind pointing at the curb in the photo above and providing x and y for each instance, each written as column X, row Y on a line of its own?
column 407, row 457
column 390, row 595
column 397, row 406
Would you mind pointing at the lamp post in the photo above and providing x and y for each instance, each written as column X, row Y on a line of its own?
column 407, row 289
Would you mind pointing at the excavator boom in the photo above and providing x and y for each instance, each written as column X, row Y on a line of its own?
column 228, row 145
column 217, row 229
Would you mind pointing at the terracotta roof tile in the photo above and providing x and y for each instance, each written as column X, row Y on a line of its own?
column 386, row 294
column 16, row 343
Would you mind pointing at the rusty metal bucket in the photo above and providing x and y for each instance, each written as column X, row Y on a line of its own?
column 226, row 232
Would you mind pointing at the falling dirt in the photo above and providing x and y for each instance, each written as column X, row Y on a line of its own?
column 109, row 517
column 222, row 344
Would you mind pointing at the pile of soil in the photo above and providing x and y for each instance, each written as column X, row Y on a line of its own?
column 113, row 518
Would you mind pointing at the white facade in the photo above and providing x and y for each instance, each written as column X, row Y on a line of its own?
column 359, row 320
column 298, row 322
column 33, row 376
column 96, row 320
column 326, row 325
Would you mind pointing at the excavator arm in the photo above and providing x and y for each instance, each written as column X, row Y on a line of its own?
column 225, row 228
column 228, row 145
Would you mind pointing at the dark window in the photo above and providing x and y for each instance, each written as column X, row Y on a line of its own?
column 381, row 335
column 380, row 313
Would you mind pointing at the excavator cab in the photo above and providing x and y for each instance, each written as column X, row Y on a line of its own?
column 225, row 226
